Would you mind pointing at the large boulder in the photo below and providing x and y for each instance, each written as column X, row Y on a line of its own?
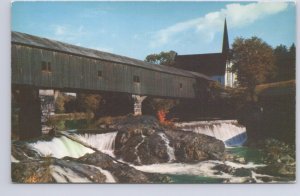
column 193, row 147
column 141, row 146
column 142, row 140
column 123, row 173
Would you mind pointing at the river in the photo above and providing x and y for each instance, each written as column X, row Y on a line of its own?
column 242, row 170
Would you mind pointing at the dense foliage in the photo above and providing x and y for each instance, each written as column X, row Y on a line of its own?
column 163, row 58
column 285, row 62
column 253, row 61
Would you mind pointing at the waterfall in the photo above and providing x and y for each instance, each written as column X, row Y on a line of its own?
column 103, row 142
column 170, row 150
column 228, row 131
column 136, row 149
column 60, row 147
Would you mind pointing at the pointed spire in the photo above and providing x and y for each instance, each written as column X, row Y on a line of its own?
column 225, row 48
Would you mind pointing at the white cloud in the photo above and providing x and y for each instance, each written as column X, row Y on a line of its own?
column 237, row 16
column 59, row 30
column 67, row 32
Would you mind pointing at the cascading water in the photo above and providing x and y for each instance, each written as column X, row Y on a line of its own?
column 228, row 131
column 204, row 168
column 136, row 149
column 63, row 146
column 104, row 142
column 170, row 150
column 60, row 147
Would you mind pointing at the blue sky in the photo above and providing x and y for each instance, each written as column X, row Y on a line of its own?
column 136, row 29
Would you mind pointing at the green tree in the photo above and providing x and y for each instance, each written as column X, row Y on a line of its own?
column 88, row 102
column 253, row 61
column 285, row 62
column 163, row 58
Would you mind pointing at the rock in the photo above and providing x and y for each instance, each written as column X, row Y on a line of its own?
column 193, row 147
column 287, row 159
column 21, row 151
column 141, row 147
column 223, row 168
column 279, row 169
column 138, row 141
column 31, row 171
column 88, row 172
column 43, row 171
column 122, row 173
column 242, row 172
column 142, row 140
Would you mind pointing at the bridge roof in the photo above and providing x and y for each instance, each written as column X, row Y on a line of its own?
column 39, row 42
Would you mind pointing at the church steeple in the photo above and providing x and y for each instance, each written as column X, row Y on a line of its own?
column 225, row 48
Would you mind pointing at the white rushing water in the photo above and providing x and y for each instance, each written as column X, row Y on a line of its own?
column 109, row 177
column 65, row 175
column 228, row 131
column 170, row 150
column 60, row 147
column 204, row 168
column 103, row 142
column 137, row 147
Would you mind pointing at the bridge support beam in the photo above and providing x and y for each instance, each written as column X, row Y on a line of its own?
column 137, row 108
column 55, row 94
column 30, row 113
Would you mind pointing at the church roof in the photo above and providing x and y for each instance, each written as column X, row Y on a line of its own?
column 209, row 64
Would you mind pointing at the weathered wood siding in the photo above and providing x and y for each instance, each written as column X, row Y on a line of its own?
column 81, row 73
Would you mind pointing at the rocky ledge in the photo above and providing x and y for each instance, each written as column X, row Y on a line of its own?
column 143, row 140
column 29, row 167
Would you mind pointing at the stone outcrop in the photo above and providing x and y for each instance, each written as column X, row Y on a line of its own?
column 142, row 140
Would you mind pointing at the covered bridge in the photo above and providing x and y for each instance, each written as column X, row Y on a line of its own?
column 49, row 64
column 40, row 63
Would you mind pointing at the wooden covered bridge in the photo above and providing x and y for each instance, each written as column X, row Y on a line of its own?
column 40, row 63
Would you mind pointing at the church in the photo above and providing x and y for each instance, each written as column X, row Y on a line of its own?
column 215, row 65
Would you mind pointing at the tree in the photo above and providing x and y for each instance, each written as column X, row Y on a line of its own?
column 285, row 61
column 253, row 62
column 88, row 102
column 163, row 58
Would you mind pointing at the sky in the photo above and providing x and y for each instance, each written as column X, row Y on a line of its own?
column 137, row 29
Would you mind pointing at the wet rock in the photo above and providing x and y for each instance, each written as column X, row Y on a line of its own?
column 140, row 141
column 88, row 172
column 21, row 151
column 140, row 146
column 46, row 170
column 122, row 172
column 192, row 147
column 223, row 168
column 287, row 159
column 242, row 172
column 32, row 171
column 279, row 169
